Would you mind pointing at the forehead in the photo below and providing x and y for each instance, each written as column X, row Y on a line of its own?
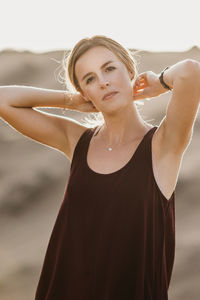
column 92, row 59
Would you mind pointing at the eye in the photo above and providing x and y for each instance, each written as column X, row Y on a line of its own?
column 89, row 80
column 110, row 68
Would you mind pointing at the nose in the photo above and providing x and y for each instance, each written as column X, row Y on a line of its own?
column 103, row 82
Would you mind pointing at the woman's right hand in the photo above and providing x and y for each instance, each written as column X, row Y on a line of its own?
column 81, row 104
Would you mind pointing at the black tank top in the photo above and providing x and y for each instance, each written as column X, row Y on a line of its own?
column 114, row 236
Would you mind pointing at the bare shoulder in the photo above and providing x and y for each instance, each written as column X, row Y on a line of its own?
column 74, row 131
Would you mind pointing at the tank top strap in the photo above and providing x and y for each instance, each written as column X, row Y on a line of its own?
column 148, row 138
column 145, row 153
column 143, row 150
column 81, row 147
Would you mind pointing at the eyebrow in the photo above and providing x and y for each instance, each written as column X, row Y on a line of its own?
column 108, row 62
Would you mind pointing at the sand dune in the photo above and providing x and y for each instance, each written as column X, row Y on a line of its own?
column 33, row 179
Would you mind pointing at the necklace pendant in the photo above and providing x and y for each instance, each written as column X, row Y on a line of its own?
column 110, row 149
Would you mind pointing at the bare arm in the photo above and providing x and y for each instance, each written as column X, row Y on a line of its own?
column 183, row 106
column 28, row 96
column 177, row 125
column 17, row 109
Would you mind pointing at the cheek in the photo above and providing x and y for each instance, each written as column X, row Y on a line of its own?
column 91, row 92
column 122, row 78
column 124, row 83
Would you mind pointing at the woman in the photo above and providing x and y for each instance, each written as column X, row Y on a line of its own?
column 114, row 236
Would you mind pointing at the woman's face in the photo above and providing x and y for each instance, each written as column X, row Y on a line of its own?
column 104, row 67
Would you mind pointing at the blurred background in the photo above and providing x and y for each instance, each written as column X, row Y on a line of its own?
column 33, row 177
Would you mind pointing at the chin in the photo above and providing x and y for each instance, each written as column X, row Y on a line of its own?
column 113, row 109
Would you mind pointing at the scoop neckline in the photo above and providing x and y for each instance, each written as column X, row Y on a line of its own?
column 122, row 168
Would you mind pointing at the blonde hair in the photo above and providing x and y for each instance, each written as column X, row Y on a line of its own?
column 79, row 49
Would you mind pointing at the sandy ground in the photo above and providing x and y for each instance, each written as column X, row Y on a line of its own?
column 33, row 179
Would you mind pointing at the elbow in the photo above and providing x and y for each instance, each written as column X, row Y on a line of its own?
column 191, row 75
column 192, row 68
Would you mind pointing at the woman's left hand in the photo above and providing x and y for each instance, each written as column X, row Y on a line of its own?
column 147, row 85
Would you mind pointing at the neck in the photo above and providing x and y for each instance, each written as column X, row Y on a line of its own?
column 123, row 127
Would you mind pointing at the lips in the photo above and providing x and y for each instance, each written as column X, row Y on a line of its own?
column 109, row 94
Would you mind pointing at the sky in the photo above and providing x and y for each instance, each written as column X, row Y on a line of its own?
column 45, row 25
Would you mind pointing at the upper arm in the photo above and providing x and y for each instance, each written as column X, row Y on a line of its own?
column 182, row 109
column 55, row 131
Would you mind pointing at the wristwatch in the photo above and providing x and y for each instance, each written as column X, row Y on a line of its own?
column 162, row 81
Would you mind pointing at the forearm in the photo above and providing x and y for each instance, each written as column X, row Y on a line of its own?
column 26, row 96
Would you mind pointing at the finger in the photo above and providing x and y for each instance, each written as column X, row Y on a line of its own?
column 141, row 79
column 142, row 82
column 139, row 95
column 140, row 87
